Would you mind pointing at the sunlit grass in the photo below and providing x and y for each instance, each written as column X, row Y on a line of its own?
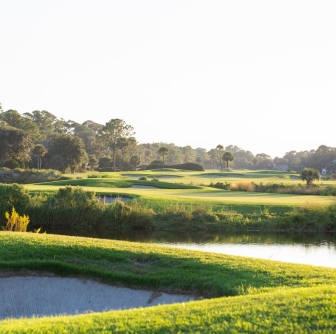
column 204, row 194
column 266, row 296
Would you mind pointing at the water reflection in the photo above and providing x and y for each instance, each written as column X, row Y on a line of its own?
column 314, row 249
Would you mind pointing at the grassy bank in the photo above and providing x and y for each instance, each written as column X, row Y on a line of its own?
column 265, row 295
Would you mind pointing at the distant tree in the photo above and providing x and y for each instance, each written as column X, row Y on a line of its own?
column 105, row 162
column 243, row 154
column 220, row 148
column 280, row 161
column 126, row 145
column 96, row 127
column 188, row 154
column 322, row 156
column 93, row 162
column 263, row 156
column 175, row 156
column 122, row 144
column 163, row 151
column 88, row 136
column 14, row 119
column 233, row 149
column 14, row 144
column 202, row 153
column 45, row 122
column 227, row 157
column 310, row 175
column 241, row 163
column 199, row 160
column 39, row 151
column 111, row 133
column 213, row 154
column 265, row 164
column 148, row 155
column 255, row 161
column 134, row 162
column 67, row 151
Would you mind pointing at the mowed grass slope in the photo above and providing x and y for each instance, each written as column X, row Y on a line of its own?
column 188, row 187
column 266, row 296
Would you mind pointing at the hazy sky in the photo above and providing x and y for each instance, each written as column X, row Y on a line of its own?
column 257, row 74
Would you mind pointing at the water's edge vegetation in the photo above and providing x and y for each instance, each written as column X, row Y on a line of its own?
column 71, row 207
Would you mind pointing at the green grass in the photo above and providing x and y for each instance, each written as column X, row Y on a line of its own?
column 264, row 296
column 204, row 194
column 192, row 187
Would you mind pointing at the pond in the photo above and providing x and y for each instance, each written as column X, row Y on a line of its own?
column 314, row 249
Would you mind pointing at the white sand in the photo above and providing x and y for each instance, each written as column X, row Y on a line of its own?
column 113, row 199
column 27, row 296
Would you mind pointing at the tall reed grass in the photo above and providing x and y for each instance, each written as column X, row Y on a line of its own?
column 15, row 222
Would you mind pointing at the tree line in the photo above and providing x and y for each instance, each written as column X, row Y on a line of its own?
column 41, row 140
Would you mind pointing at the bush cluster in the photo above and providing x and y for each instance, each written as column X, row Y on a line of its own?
column 220, row 185
column 35, row 175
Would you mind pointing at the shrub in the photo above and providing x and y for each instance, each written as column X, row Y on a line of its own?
column 269, row 187
column 143, row 178
column 242, row 186
column 220, row 185
column 97, row 176
column 15, row 222
column 13, row 163
column 36, row 176
column 13, row 195
column 74, row 197
column 122, row 216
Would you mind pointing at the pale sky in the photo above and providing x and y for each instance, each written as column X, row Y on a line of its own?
column 257, row 74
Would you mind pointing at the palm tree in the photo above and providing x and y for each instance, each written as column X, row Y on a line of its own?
column 163, row 151
column 220, row 148
column 309, row 175
column 227, row 156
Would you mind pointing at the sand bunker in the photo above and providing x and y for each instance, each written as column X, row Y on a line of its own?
column 134, row 175
column 46, row 296
column 109, row 200
column 294, row 177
